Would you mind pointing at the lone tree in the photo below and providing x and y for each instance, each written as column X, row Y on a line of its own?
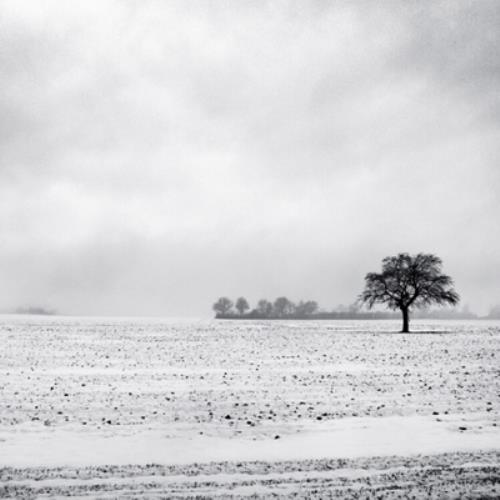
column 223, row 306
column 242, row 305
column 407, row 282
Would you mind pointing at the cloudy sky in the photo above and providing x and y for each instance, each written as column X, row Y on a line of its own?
column 155, row 155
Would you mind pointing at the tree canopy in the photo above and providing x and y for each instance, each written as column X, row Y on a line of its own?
column 242, row 305
column 223, row 306
column 409, row 281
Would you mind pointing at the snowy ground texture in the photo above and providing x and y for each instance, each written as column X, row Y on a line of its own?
column 115, row 408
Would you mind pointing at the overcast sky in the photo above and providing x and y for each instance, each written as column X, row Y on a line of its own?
column 156, row 155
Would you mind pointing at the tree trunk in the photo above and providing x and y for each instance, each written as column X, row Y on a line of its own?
column 406, row 320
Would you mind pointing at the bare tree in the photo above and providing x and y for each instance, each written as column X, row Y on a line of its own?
column 242, row 305
column 306, row 308
column 409, row 281
column 283, row 307
column 223, row 306
column 264, row 308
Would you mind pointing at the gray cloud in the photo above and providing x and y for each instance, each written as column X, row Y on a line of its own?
column 155, row 155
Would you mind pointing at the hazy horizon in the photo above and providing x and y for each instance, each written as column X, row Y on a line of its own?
column 157, row 155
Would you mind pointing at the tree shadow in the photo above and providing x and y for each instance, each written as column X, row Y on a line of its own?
column 418, row 332
column 429, row 332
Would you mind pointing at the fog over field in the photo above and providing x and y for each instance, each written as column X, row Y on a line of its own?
column 155, row 155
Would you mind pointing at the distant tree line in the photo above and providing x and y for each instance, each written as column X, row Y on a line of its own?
column 35, row 310
column 494, row 312
column 282, row 307
column 445, row 313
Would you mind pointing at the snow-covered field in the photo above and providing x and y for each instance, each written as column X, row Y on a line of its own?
column 107, row 408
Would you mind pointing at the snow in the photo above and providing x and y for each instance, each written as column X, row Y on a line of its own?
column 83, row 392
column 347, row 438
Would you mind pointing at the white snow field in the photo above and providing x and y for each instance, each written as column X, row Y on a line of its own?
column 150, row 408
